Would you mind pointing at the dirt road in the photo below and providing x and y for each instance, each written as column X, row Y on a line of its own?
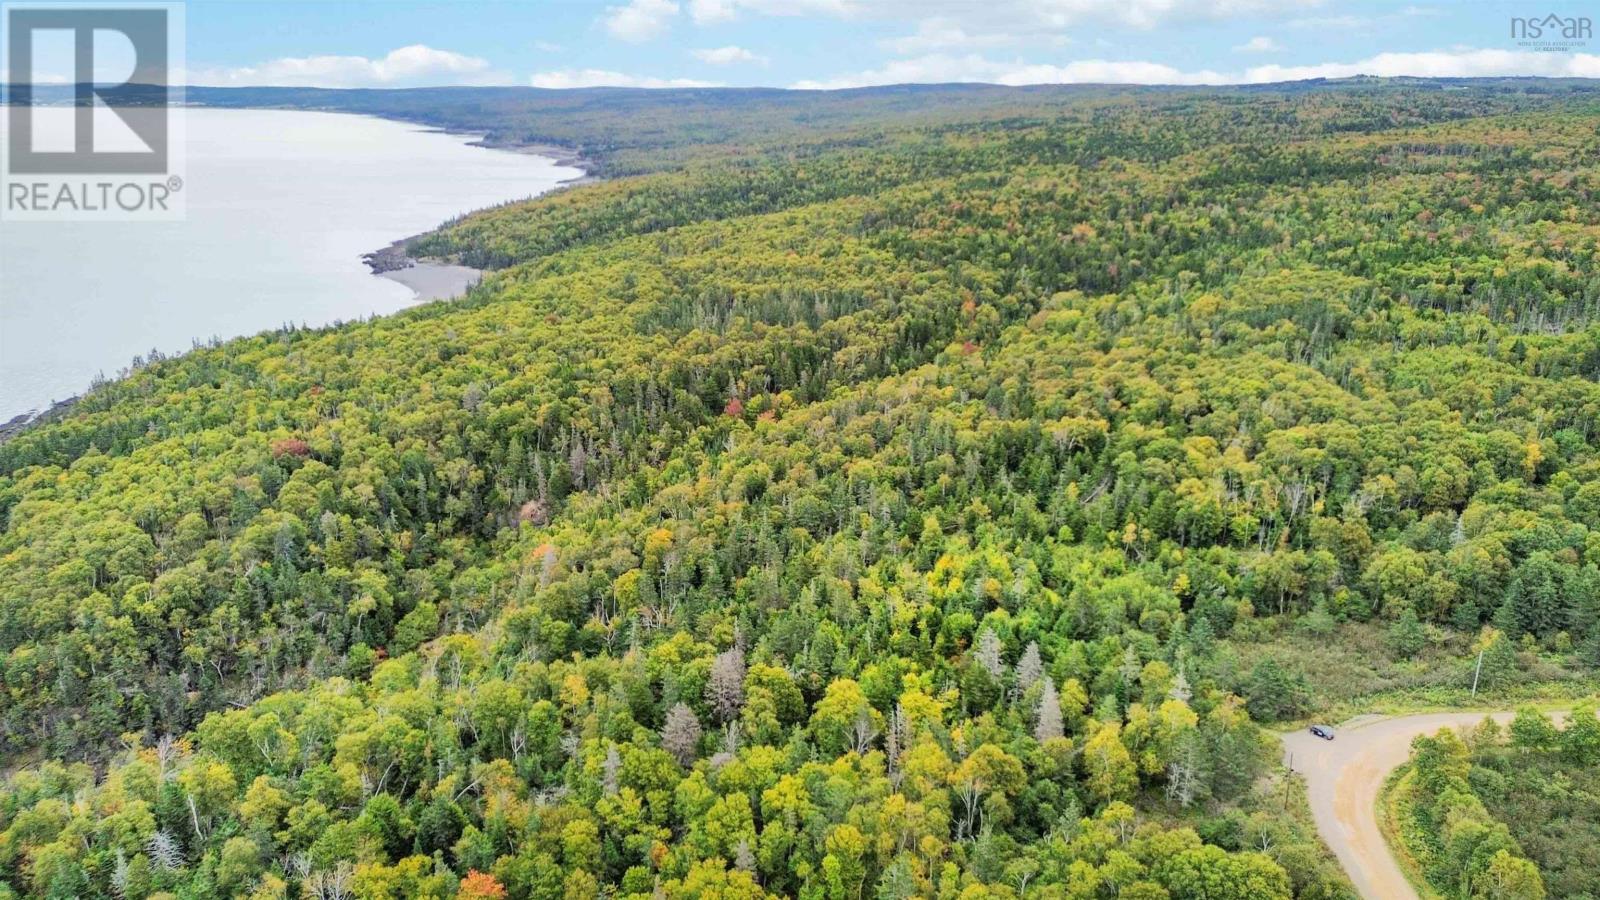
column 1343, row 777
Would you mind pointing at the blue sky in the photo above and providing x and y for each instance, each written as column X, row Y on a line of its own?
column 845, row 43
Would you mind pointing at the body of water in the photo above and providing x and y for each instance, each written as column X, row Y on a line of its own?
column 281, row 206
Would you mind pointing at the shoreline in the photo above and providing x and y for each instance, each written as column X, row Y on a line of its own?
column 562, row 156
column 431, row 278
column 21, row 422
column 428, row 279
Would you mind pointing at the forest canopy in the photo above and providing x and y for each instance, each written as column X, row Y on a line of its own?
column 873, row 494
column 1506, row 810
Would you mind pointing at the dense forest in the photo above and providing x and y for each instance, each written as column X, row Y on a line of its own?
column 899, row 494
column 628, row 132
column 1507, row 811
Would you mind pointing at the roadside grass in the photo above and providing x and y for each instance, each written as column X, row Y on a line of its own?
column 1541, row 695
column 1393, row 808
column 1350, row 671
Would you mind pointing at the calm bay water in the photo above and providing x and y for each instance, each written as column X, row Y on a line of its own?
column 281, row 205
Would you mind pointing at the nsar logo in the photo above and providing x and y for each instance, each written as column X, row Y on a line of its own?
column 1552, row 32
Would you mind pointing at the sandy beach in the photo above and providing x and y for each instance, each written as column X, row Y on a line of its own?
column 434, row 281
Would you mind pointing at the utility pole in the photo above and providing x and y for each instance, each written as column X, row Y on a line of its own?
column 1476, row 672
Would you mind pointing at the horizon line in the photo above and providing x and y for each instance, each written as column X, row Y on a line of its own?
column 1343, row 79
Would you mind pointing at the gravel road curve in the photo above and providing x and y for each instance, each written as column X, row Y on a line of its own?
column 1343, row 777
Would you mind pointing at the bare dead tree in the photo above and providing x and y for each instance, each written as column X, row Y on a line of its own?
column 680, row 736
column 1048, row 724
column 863, row 732
column 164, row 851
column 332, row 884
column 1030, row 668
column 725, row 686
column 1183, row 775
column 988, row 654
column 610, row 770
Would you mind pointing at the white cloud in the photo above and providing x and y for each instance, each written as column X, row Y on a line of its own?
column 1007, row 16
column 941, row 33
column 724, row 56
column 708, row 12
column 1345, row 21
column 938, row 68
column 640, row 20
column 415, row 65
column 1457, row 63
column 1460, row 63
column 1259, row 44
column 946, row 26
column 1151, row 13
column 584, row 78
column 548, row 47
column 1365, row 22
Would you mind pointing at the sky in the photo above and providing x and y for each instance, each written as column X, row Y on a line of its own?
column 851, row 43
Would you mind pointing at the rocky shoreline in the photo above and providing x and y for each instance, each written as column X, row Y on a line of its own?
column 20, row 423
column 443, row 279
column 390, row 258
column 563, row 156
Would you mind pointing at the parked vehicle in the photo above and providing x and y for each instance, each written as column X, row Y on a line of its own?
column 1322, row 731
